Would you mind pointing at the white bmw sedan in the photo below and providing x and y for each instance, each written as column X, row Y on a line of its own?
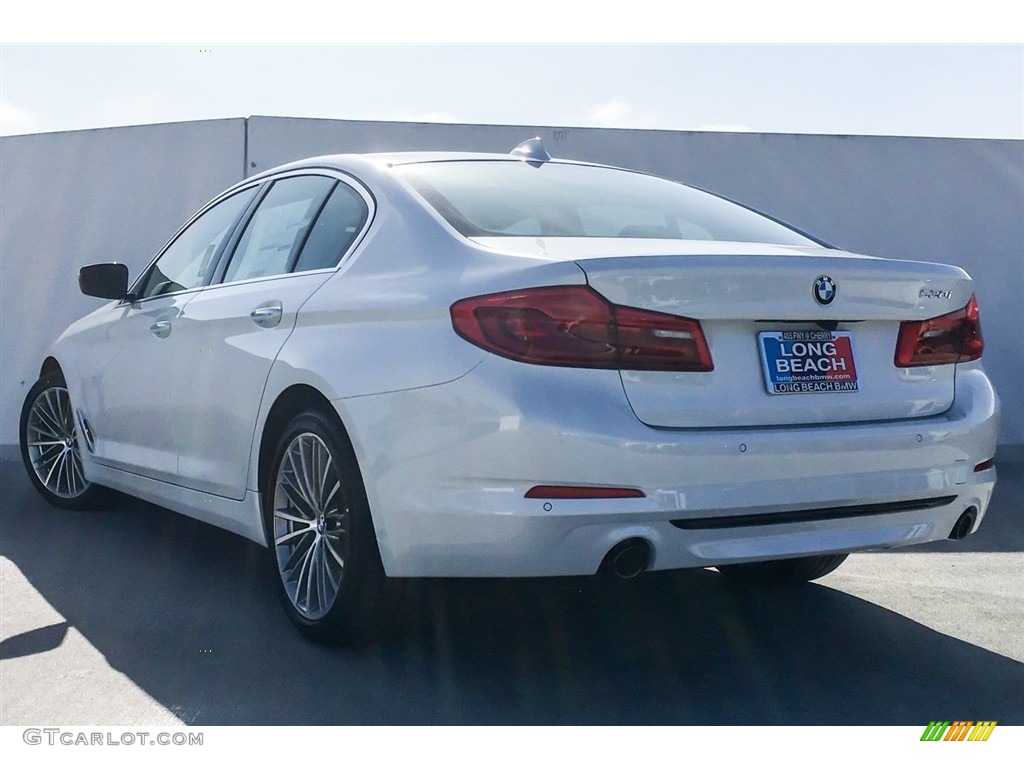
column 429, row 364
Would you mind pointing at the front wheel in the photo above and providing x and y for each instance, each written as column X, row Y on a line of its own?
column 321, row 537
column 50, row 449
column 793, row 571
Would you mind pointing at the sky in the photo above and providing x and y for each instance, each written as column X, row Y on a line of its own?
column 974, row 91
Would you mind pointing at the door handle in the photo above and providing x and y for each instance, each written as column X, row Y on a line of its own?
column 161, row 328
column 266, row 317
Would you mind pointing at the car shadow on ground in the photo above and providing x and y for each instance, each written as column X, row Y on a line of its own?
column 189, row 614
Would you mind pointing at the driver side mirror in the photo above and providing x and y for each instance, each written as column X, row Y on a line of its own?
column 106, row 281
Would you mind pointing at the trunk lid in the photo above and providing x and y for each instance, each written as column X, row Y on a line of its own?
column 756, row 305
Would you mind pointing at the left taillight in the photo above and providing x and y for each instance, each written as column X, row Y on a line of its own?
column 576, row 327
column 951, row 338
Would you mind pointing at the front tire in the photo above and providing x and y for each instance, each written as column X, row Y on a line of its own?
column 796, row 570
column 50, row 448
column 320, row 533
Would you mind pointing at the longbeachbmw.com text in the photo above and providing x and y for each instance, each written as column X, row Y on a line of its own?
column 71, row 738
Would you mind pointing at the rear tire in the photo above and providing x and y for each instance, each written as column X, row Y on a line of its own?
column 50, row 450
column 793, row 571
column 320, row 534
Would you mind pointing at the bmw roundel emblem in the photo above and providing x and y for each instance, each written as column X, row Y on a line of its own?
column 824, row 290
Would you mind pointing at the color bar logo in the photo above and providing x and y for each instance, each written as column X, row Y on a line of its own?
column 959, row 730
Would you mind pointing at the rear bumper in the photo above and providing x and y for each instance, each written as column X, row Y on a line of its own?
column 446, row 469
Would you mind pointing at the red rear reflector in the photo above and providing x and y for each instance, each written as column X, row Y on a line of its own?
column 576, row 327
column 951, row 338
column 987, row 464
column 582, row 492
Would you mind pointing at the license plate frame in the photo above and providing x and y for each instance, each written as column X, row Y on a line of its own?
column 808, row 362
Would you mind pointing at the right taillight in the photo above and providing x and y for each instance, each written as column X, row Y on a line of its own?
column 951, row 338
column 576, row 327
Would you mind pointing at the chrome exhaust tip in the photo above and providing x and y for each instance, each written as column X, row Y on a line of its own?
column 964, row 525
column 627, row 559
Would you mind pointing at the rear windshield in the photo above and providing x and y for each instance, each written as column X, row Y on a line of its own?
column 487, row 198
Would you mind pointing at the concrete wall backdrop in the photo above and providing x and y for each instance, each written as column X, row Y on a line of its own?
column 68, row 199
column 80, row 197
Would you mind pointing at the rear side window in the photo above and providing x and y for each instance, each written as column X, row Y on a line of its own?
column 335, row 229
column 276, row 231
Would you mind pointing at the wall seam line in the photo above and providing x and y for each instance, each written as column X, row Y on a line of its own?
column 245, row 148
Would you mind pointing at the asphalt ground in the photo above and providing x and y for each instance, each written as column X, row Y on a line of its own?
column 136, row 615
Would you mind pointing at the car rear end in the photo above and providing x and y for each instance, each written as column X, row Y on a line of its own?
column 708, row 401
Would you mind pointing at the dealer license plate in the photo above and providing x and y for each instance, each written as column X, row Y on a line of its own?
column 808, row 362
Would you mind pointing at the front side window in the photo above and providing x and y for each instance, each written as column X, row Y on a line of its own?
column 488, row 198
column 184, row 264
column 277, row 230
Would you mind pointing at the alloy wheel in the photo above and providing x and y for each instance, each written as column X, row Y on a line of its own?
column 310, row 525
column 51, row 439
